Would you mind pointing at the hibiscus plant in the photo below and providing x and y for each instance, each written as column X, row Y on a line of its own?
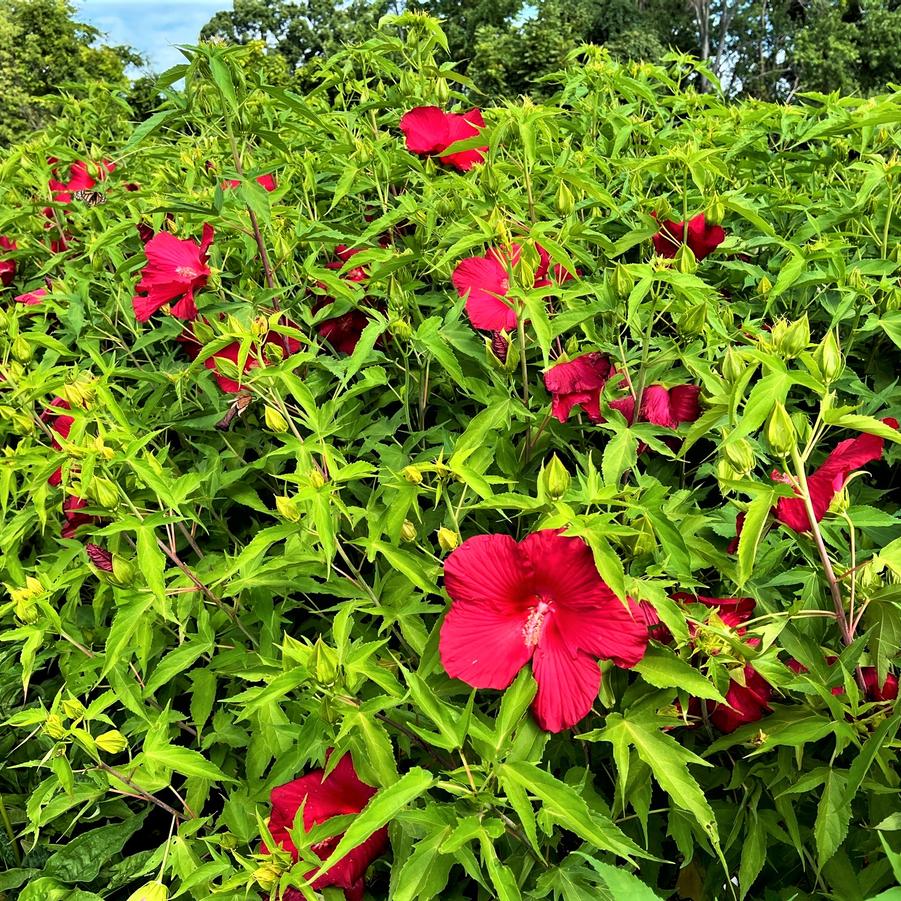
column 410, row 498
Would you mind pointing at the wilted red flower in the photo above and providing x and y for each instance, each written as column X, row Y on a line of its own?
column 830, row 478
column 99, row 557
column 541, row 600
column 662, row 406
column 175, row 269
column 32, row 298
column 266, row 181
column 701, row 238
column 429, row 130
column 745, row 703
column 343, row 332
column 323, row 797
column 578, row 381
column 7, row 267
column 485, row 281
column 73, row 517
column 61, row 423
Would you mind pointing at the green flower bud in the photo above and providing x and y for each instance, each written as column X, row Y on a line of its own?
column 796, row 337
column 554, row 478
column 691, row 323
column 856, row 280
column 73, row 708
column 442, row 91
column 764, row 286
column 408, row 531
column 123, row 570
column 412, row 474
column 740, row 454
column 623, row 282
column 716, row 212
column 447, row 539
column 828, row 357
column 287, row 508
column 686, row 262
column 267, row 876
column 317, row 479
column 733, row 366
column 153, row 891
column 564, row 200
column 325, row 662
column 202, row 332
column 21, row 349
column 725, row 473
column 54, row 727
column 112, row 742
column 401, row 329
column 780, row 431
column 104, row 492
column 275, row 421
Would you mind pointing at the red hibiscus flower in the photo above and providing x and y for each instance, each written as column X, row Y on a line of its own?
column 485, row 281
column 80, row 179
column 744, row 703
column 266, row 181
column 702, row 238
column 343, row 332
column 7, row 267
column 61, row 424
column 662, row 406
column 830, row 478
column 323, row 797
column 175, row 269
column 73, row 518
column 541, row 600
column 32, row 298
column 547, row 275
column 429, row 130
column 578, row 382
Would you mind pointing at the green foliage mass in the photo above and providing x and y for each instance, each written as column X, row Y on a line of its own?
column 276, row 586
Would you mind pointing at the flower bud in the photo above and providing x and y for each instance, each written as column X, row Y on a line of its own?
column 266, row 876
column 488, row 179
column 412, row 474
column 275, row 422
column 716, row 212
column 317, row 479
column 554, row 478
column 447, row 539
column 840, row 502
column 733, row 366
column 796, row 337
column 856, row 280
column 325, row 662
column 691, row 323
column 21, row 349
column 80, row 391
column 54, row 727
column 498, row 346
column 442, row 91
column 202, row 332
column 408, row 531
column 287, row 508
column 764, row 286
column 153, row 891
column 780, row 431
column 401, row 329
column 623, row 282
column 828, row 357
column 123, row 570
column 564, row 201
column 802, row 427
column 73, row 708
column 686, row 262
column 725, row 473
column 740, row 454
column 104, row 492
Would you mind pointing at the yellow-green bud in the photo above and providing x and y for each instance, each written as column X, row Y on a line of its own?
column 716, row 212
column 828, row 357
column 623, row 282
column 442, row 91
column 856, row 279
column 202, row 332
column 325, row 662
column 796, row 337
column 104, row 492
column 693, row 320
column 564, row 200
column 554, row 478
column 412, row 475
column 287, row 507
column 740, row 454
column 275, row 422
column 840, row 502
column 153, row 891
column 123, row 570
column 73, row 708
column 401, row 329
column 21, row 349
column 725, row 473
column 733, row 366
column 686, row 262
column 267, row 876
column 447, row 539
column 780, row 431
column 80, row 391
column 764, row 286
column 317, row 479
column 112, row 742
column 54, row 727
column 408, row 531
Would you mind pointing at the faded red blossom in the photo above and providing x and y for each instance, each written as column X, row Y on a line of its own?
column 32, row 298
column 265, row 181
column 701, row 237
column 343, row 332
column 739, row 525
column 175, row 269
column 485, row 282
column 541, row 600
column 429, row 130
column 578, row 382
column 500, row 345
column 745, row 703
column 61, row 424
column 322, row 797
column 667, row 407
column 73, row 518
column 7, row 266
column 829, row 479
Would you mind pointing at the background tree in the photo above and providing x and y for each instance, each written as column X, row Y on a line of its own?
column 43, row 50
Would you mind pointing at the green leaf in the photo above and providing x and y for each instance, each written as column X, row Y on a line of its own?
column 833, row 816
column 620, row 454
column 381, row 809
column 514, row 703
column 565, row 805
column 82, row 858
column 622, row 884
column 185, row 761
column 661, row 668
column 756, row 518
column 501, row 876
column 753, row 855
column 151, row 561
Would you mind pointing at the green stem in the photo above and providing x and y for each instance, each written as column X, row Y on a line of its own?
column 10, row 832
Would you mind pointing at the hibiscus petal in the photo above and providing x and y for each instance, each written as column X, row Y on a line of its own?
column 568, row 683
column 425, row 129
column 611, row 631
column 655, row 407
column 483, row 282
column 581, row 374
column 684, row 402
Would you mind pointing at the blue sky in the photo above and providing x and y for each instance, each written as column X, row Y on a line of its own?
column 151, row 26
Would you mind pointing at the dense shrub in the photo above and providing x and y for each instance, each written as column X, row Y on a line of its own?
column 231, row 540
